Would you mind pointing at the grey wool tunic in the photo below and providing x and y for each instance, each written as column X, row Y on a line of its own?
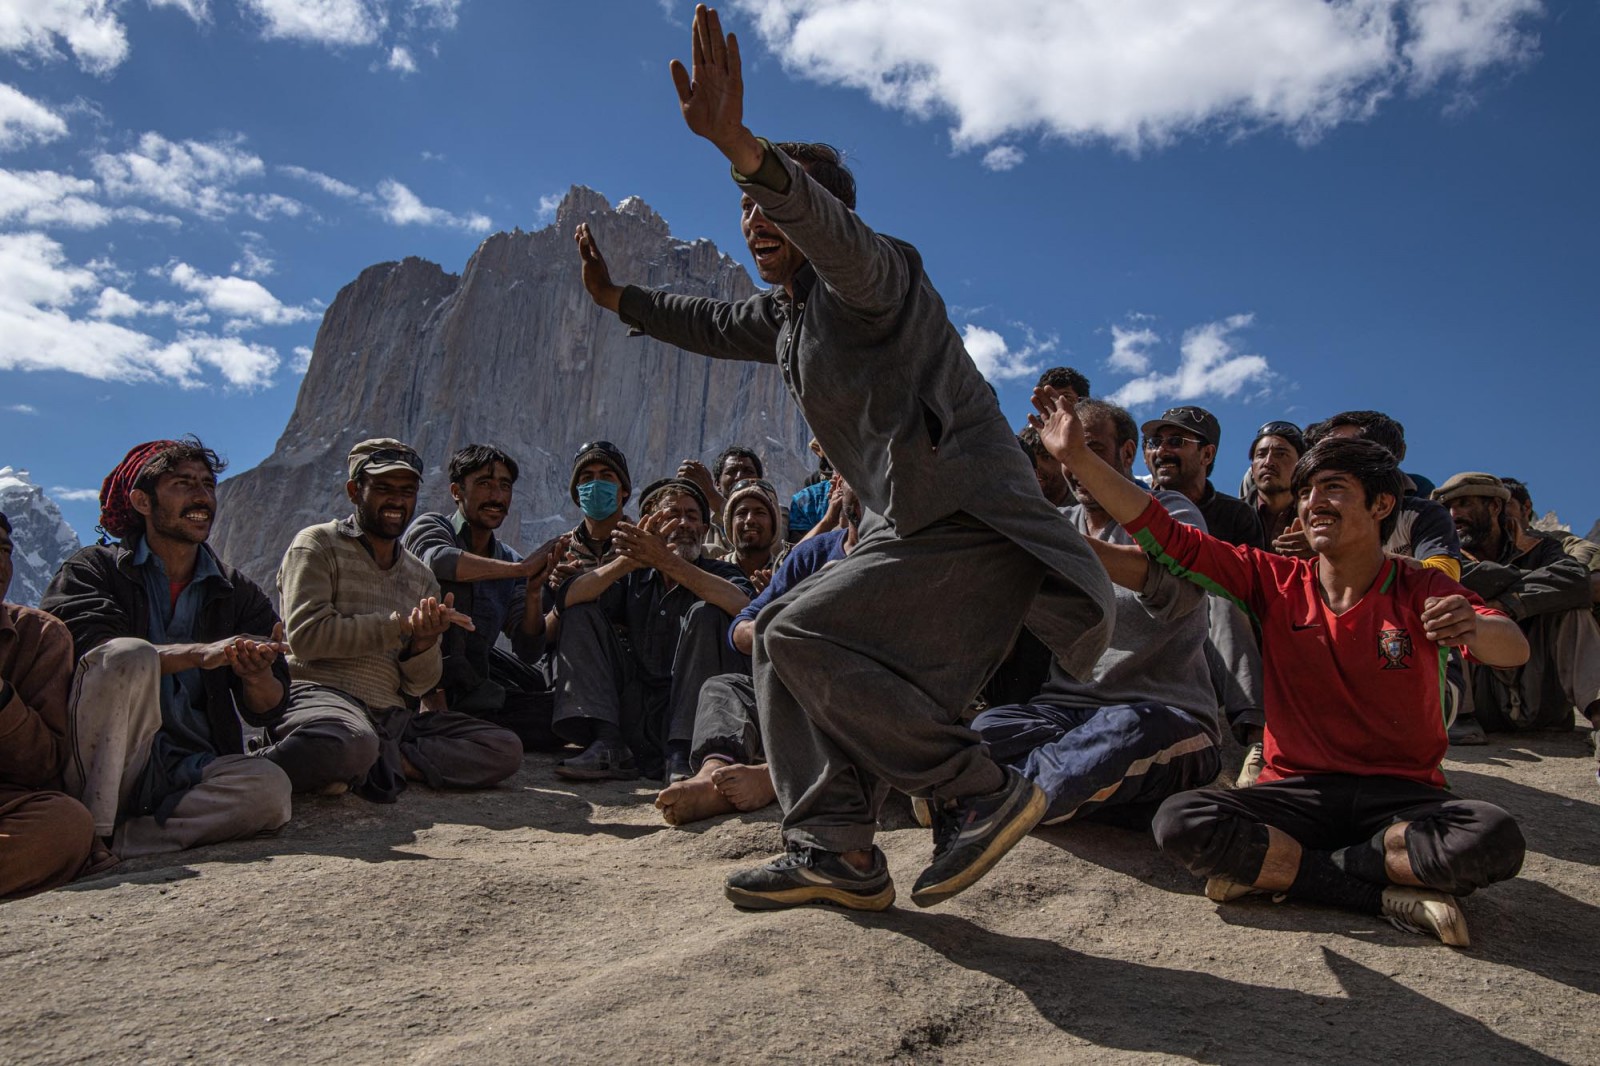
column 868, row 352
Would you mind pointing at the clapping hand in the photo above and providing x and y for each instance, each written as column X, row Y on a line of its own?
column 430, row 618
column 645, row 545
column 1060, row 431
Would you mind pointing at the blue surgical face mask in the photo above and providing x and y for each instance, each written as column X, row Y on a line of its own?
column 599, row 499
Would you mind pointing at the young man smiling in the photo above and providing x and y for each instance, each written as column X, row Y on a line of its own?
column 364, row 621
column 174, row 647
column 1350, row 809
column 494, row 586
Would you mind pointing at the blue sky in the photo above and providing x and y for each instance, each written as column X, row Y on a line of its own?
column 1274, row 208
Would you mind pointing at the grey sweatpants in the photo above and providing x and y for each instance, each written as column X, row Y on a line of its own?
column 862, row 672
column 725, row 723
column 1234, row 659
column 329, row 737
column 116, row 713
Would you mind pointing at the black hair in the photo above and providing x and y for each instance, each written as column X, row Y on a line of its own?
column 825, row 164
column 1519, row 492
column 741, row 451
column 1374, row 425
column 5, row 523
column 1065, row 377
column 180, row 451
column 475, row 457
column 1126, row 428
column 1369, row 462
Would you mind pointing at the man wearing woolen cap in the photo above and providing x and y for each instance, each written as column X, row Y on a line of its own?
column 1274, row 450
column 753, row 521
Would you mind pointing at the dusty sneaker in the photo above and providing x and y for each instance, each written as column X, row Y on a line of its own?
column 803, row 875
column 1422, row 910
column 1255, row 761
column 1222, row 890
column 972, row 835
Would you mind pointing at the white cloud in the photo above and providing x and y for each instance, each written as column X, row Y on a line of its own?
column 253, row 261
column 1129, row 346
column 38, row 289
column 89, row 29
column 996, row 360
column 46, row 198
column 302, row 359
column 400, row 59
column 401, row 207
column 24, row 120
column 1140, row 72
column 198, row 10
column 329, row 22
column 22, row 409
column 322, row 181
column 242, row 302
column 434, row 14
column 547, row 207
column 191, row 175
column 1003, row 157
column 1209, row 364
column 62, row 494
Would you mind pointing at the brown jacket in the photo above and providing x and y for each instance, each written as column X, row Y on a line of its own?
column 36, row 662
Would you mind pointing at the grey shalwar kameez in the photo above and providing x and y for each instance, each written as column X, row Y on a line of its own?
column 862, row 670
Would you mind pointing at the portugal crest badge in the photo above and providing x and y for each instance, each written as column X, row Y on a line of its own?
column 1394, row 645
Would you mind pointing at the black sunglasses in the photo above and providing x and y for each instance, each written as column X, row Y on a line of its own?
column 752, row 482
column 597, row 445
column 391, row 455
column 1278, row 429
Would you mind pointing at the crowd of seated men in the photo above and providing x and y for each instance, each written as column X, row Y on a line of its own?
column 161, row 700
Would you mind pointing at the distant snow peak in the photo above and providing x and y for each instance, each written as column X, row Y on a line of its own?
column 41, row 539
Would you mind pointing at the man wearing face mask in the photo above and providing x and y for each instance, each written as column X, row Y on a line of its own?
column 640, row 634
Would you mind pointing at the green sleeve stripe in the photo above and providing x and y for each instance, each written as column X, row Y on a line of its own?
column 1444, row 690
column 1153, row 548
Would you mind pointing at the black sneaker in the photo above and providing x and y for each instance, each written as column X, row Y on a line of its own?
column 604, row 760
column 805, row 875
column 971, row 836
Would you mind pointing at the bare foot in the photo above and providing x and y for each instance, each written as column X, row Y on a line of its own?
column 688, row 801
column 748, row 788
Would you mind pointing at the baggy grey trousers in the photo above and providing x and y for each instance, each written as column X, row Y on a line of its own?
column 725, row 722
column 329, row 737
column 115, row 714
column 863, row 670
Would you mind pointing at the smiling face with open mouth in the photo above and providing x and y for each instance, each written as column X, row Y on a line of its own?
column 183, row 505
column 385, row 503
column 777, row 260
column 1336, row 513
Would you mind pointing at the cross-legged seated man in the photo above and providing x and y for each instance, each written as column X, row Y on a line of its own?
column 173, row 647
column 46, row 836
column 728, row 757
column 1144, row 723
column 639, row 636
column 364, row 621
column 1351, row 808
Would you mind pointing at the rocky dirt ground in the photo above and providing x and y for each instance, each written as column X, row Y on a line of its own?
column 547, row 922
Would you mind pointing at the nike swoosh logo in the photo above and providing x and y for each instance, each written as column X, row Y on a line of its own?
column 1296, row 626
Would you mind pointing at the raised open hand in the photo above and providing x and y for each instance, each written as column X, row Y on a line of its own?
column 596, row 275
column 1057, row 422
column 712, row 97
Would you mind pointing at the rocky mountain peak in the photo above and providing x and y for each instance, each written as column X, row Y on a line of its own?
column 511, row 351
column 41, row 540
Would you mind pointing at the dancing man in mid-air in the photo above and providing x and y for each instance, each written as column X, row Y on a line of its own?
column 862, row 670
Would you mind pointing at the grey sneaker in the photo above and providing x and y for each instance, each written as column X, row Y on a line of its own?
column 1422, row 910
column 971, row 836
column 805, row 875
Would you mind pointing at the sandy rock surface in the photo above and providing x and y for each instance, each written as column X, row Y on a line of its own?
column 550, row 922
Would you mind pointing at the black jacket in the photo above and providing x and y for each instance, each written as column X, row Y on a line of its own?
column 1542, row 580
column 100, row 596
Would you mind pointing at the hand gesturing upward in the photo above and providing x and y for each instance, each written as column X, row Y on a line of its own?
column 712, row 96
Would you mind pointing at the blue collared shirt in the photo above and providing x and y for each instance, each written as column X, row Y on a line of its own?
column 184, row 745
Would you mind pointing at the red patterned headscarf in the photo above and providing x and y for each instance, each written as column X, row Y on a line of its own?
column 118, row 519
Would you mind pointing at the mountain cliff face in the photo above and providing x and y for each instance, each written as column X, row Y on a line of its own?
column 41, row 540
column 512, row 352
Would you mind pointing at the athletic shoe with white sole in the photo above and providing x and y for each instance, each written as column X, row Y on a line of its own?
column 971, row 835
column 803, row 875
column 1422, row 910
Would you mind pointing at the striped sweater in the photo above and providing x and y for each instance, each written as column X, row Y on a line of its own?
column 344, row 617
